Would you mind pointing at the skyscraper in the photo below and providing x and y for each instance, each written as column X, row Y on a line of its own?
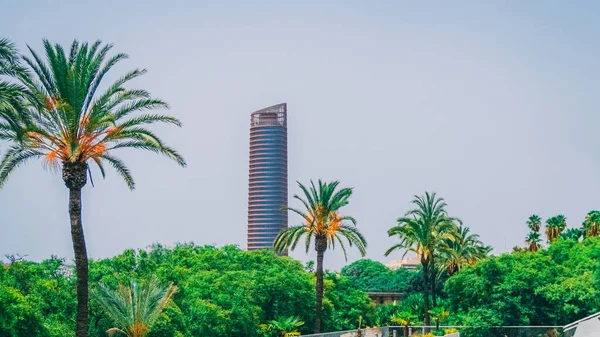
column 267, row 191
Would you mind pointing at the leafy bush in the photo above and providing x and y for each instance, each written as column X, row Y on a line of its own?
column 222, row 292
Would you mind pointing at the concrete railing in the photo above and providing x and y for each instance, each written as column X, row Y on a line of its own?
column 464, row 331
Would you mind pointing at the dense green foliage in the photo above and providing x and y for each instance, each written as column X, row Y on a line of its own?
column 548, row 287
column 373, row 276
column 227, row 291
column 222, row 292
column 37, row 299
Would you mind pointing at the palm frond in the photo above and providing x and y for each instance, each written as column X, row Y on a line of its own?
column 121, row 169
column 13, row 158
column 134, row 309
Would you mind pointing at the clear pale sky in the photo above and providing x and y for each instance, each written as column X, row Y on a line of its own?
column 494, row 105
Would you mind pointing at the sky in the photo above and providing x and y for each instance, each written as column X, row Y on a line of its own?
column 493, row 105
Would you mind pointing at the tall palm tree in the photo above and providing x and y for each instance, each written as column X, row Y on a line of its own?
column 464, row 249
column 533, row 240
column 421, row 230
column 554, row 226
column 534, row 222
column 592, row 224
column 68, row 123
column 324, row 223
column 134, row 309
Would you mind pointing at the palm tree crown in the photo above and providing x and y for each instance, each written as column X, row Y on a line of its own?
column 69, row 122
column 422, row 228
column 534, row 222
column 134, row 309
column 322, row 220
column 592, row 224
column 554, row 226
column 573, row 234
column 533, row 240
column 463, row 250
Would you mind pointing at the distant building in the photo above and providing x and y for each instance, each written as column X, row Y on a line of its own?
column 380, row 298
column 267, row 191
column 410, row 263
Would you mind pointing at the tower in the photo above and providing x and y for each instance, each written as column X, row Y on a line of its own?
column 267, row 190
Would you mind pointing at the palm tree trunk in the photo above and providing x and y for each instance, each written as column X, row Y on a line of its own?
column 75, row 177
column 433, row 281
column 320, row 246
column 425, row 264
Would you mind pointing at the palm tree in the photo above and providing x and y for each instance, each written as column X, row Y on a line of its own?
column 134, row 309
column 554, row 226
column 464, row 249
column 405, row 319
column 573, row 234
column 534, row 222
column 438, row 314
column 421, row 230
column 69, row 123
column 282, row 326
column 592, row 224
column 533, row 240
column 323, row 223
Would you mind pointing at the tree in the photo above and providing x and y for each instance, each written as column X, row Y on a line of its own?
column 591, row 224
column 136, row 308
column 573, row 234
column 533, row 241
column 18, row 317
column 324, row 223
column 555, row 286
column 68, row 124
column 310, row 266
column 373, row 276
column 222, row 292
column 464, row 249
column 45, row 297
column 534, row 222
column 405, row 319
column 281, row 326
column 554, row 226
column 438, row 314
column 344, row 304
column 421, row 230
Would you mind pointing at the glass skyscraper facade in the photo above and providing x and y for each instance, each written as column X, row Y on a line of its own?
column 267, row 192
